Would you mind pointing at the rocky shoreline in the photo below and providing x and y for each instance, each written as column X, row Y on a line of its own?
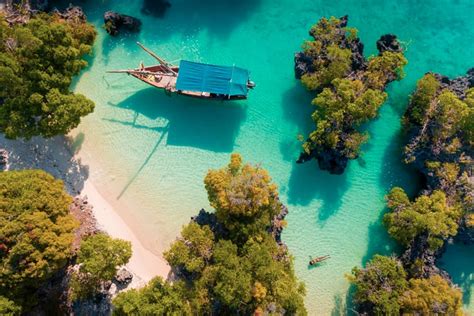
column 449, row 171
column 424, row 146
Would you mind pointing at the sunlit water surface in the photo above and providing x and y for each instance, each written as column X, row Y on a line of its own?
column 149, row 152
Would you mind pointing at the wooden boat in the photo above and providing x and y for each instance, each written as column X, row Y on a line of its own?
column 194, row 79
column 317, row 260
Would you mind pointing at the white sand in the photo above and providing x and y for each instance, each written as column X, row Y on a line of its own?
column 143, row 263
column 55, row 156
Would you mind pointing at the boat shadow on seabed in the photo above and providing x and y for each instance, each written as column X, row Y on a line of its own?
column 208, row 125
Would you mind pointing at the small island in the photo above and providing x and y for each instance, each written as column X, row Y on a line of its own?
column 349, row 89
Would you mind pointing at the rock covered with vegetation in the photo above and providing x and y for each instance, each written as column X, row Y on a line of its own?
column 37, row 62
column 350, row 89
column 116, row 22
column 231, row 266
column 440, row 125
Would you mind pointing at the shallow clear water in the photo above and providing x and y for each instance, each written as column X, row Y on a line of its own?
column 149, row 152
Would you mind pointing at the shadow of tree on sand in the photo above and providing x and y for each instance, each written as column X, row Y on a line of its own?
column 53, row 155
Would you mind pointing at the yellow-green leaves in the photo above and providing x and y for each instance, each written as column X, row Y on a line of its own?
column 37, row 63
column 99, row 257
column 36, row 230
column 382, row 288
column 428, row 215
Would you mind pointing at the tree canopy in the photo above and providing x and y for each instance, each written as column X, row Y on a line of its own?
column 230, row 264
column 9, row 308
column 99, row 257
column 243, row 196
column 382, row 288
column 36, row 231
column 432, row 296
column 37, row 62
column 428, row 214
column 156, row 298
column 380, row 285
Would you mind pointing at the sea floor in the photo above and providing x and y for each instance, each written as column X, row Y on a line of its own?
column 148, row 153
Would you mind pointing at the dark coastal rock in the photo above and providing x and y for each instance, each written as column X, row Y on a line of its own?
column 358, row 60
column 420, row 261
column 330, row 160
column 303, row 64
column 457, row 85
column 100, row 304
column 206, row 218
column 277, row 225
column 73, row 13
column 39, row 5
column 389, row 42
column 116, row 22
column 123, row 277
column 3, row 159
column 155, row 8
column 81, row 209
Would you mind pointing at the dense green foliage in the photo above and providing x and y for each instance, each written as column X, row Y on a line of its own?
column 432, row 296
column 330, row 59
column 348, row 97
column 380, row 285
column 8, row 308
column 348, row 103
column 426, row 90
column 244, row 198
column 232, row 267
column 382, row 289
column 156, row 298
column 428, row 214
column 99, row 257
column 37, row 62
column 36, row 231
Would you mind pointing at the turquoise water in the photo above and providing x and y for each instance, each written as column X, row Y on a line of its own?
column 148, row 153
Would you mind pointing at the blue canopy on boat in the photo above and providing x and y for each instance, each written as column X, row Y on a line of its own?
column 211, row 78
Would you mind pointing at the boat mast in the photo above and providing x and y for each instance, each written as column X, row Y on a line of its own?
column 160, row 60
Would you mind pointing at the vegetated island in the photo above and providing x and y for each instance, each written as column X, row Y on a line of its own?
column 231, row 262
column 439, row 123
column 349, row 88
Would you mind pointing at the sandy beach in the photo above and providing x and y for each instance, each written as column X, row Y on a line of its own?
column 56, row 157
column 143, row 263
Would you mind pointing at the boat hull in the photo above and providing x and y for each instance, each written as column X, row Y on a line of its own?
column 168, row 84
